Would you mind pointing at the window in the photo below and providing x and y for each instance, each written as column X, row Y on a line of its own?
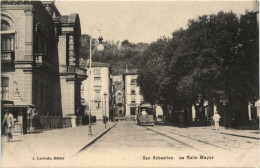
column 5, row 88
column 97, row 96
column 5, row 26
column 132, row 81
column 133, row 99
column 97, row 105
column 132, row 92
column 132, row 110
column 97, row 71
column 97, row 78
column 7, row 41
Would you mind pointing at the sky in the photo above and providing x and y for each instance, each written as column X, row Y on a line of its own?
column 143, row 21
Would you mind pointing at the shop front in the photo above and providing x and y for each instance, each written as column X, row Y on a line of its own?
column 20, row 116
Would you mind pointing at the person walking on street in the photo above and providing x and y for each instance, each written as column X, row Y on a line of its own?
column 216, row 119
column 9, row 122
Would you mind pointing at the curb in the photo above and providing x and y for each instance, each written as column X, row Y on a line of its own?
column 243, row 136
column 95, row 139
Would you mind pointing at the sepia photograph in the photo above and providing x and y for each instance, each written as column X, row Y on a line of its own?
column 129, row 84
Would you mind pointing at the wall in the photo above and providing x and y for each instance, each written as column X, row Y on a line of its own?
column 104, row 88
column 128, row 97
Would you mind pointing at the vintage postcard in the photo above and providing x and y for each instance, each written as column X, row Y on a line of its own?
column 129, row 83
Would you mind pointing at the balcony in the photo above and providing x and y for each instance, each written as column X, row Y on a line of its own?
column 97, row 74
column 96, row 88
column 7, row 56
column 133, row 102
column 97, row 99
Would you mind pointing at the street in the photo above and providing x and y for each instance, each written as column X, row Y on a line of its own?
column 130, row 145
column 126, row 144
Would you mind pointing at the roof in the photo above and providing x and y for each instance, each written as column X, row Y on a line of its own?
column 131, row 72
column 68, row 19
column 100, row 64
column 85, row 64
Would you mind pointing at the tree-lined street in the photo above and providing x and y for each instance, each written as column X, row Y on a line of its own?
column 133, row 145
column 130, row 145
column 130, row 84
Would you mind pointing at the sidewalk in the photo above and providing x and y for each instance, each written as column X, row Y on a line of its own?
column 241, row 133
column 228, row 131
column 62, row 143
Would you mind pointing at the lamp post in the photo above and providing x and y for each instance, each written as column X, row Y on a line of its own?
column 100, row 48
column 105, row 96
column 114, row 111
column 224, row 100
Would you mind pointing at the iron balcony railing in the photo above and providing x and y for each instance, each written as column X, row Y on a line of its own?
column 7, row 56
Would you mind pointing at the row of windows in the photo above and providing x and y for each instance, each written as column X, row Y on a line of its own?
column 8, row 40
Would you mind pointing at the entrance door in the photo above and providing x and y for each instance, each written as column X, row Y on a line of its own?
column 132, row 110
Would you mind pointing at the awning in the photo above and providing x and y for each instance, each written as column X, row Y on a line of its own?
column 4, row 102
column 18, row 106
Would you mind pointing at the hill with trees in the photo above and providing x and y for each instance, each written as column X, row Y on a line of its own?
column 118, row 55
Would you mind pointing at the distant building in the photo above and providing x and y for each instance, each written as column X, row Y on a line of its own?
column 133, row 98
column 94, row 87
column 117, row 82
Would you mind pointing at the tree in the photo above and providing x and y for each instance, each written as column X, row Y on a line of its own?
column 216, row 54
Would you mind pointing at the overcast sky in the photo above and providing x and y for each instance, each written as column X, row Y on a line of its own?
column 143, row 21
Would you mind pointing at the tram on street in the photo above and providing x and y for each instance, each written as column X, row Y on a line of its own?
column 145, row 115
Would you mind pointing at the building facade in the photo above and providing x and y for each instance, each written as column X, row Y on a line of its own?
column 117, row 82
column 71, row 74
column 39, row 59
column 96, row 90
column 132, row 95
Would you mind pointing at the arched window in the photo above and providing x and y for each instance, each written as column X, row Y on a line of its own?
column 7, row 37
column 5, row 26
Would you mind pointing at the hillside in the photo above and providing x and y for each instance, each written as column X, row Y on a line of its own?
column 119, row 55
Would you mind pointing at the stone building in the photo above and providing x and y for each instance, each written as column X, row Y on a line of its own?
column 39, row 60
column 71, row 75
column 118, row 95
column 133, row 98
column 94, row 88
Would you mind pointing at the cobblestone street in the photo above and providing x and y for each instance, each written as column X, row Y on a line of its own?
column 132, row 145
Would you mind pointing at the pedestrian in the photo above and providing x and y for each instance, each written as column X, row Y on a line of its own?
column 216, row 119
column 9, row 124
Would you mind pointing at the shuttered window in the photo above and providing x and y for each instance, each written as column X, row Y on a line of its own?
column 5, row 88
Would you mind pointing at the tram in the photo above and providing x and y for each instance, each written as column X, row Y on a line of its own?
column 145, row 115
